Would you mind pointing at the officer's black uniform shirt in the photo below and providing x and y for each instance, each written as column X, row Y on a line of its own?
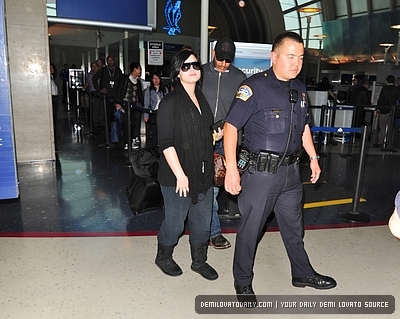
column 262, row 108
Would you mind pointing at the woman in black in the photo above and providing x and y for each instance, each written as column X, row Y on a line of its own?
column 186, row 167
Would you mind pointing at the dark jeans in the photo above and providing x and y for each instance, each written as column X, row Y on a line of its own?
column 177, row 209
column 136, row 121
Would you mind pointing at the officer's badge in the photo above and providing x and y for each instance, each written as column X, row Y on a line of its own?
column 244, row 93
column 304, row 101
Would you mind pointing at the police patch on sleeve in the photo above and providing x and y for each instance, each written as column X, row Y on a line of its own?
column 244, row 93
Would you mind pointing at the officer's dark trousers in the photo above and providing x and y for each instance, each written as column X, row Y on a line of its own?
column 261, row 193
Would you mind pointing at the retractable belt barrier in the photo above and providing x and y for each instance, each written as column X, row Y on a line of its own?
column 354, row 215
column 336, row 129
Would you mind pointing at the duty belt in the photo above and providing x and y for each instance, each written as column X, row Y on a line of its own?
column 267, row 161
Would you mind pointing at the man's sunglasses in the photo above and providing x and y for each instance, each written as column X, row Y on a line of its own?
column 186, row 66
column 226, row 60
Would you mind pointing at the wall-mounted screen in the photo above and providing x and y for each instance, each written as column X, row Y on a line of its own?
column 129, row 14
column 120, row 11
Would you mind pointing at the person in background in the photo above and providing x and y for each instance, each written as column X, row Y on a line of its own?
column 325, row 85
column 100, row 63
column 131, row 92
column 97, row 114
column 360, row 98
column 356, row 83
column 54, row 96
column 64, row 76
column 106, row 82
column 219, row 84
column 186, row 47
column 388, row 97
column 152, row 98
column 186, row 167
column 89, row 79
column 272, row 108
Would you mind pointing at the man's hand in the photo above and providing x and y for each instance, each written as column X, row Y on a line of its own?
column 232, row 181
column 315, row 171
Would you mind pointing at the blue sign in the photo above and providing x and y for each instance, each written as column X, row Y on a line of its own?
column 8, row 171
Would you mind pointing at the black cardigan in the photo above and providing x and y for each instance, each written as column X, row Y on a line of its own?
column 181, row 125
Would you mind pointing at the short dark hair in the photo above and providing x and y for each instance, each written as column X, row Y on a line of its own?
column 101, row 60
column 286, row 35
column 178, row 61
column 134, row 65
column 390, row 79
column 366, row 81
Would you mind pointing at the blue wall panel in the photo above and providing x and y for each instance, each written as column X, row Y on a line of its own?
column 119, row 11
column 8, row 168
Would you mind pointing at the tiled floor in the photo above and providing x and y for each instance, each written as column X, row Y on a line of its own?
column 105, row 268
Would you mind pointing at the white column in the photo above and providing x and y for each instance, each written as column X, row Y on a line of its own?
column 142, row 56
column 204, row 31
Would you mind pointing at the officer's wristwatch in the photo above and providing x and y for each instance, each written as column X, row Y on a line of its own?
column 314, row 157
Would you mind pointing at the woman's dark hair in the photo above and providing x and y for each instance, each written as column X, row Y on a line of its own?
column 162, row 87
column 177, row 63
column 55, row 70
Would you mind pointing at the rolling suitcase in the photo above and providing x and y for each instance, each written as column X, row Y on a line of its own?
column 144, row 194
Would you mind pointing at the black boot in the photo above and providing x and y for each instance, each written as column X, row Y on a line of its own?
column 165, row 262
column 199, row 258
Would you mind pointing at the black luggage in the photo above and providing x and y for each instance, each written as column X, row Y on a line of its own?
column 144, row 194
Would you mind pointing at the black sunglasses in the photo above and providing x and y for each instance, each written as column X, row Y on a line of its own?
column 186, row 66
column 226, row 60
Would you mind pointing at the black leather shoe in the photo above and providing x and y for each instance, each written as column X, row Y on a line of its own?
column 317, row 281
column 245, row 293
column 220, row 242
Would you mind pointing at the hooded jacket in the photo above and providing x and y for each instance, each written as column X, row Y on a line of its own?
column 220, row 88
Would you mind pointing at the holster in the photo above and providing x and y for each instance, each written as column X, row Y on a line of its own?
column 267, row 162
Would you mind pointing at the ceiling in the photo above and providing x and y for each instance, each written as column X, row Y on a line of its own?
column 251, row 23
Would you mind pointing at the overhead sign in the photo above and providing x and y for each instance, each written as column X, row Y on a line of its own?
column 155, row 53
column 251, row 58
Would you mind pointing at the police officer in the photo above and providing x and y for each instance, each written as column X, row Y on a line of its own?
column 272, row 108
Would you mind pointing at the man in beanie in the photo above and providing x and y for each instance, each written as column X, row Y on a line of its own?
column 220, row 81
column 394, row 221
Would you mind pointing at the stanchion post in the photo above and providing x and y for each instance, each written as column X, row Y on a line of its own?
column 330, row 141
column 354, row 215
column 107, row 143
column 129, row 124
column 321, row 124
column 352, row 137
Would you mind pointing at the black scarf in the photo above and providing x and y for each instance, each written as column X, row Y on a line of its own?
column 197, row 149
